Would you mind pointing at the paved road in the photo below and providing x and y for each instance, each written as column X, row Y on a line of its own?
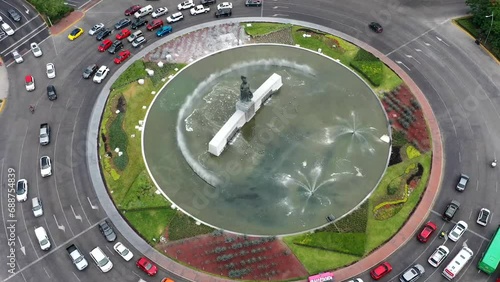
column 456, row 76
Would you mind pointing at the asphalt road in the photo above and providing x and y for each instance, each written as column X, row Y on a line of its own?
column 458, row 78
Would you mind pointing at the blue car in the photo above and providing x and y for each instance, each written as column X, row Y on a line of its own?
column 164, row 30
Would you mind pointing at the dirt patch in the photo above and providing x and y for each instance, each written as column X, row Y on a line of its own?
column 121, row 104
column 239, row 257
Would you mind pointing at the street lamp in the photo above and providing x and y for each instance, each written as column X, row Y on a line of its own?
column 491, row 25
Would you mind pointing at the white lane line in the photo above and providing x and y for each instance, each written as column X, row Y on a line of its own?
column 24, row 41
column 93, row 207
column 468, row 230
column 50, row 252
column 46, row 272
column 48, row 230
column 113, row 253
column 61, row 227
column 77, row 216
column 76, row 276
column 22, row 26
column 15, row 8
column 416, row 38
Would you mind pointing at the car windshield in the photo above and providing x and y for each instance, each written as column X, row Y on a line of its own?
column 20, row 188
column 125, row 252
column 44, row 163
column 75, row 31
column 148, row 266
column 44, row 242
column 103, row 262
column 79, row 259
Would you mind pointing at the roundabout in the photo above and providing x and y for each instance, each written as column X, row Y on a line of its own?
column 466, row 137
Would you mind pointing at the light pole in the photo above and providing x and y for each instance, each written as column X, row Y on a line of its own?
column 491, row 25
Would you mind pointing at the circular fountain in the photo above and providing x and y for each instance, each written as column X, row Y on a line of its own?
column 314, row 150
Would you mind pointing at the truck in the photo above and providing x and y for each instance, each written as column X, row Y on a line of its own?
column 44, row 134
column 77, row 257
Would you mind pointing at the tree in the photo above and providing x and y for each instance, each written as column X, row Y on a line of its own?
column 480, row 10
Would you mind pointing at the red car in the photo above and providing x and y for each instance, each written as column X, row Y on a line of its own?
column 122, row 56
column 155, row 24
column 105, row 45
column 132, row 10
column 147, row 266
column 381, row 270
column 426, row 232
column 124, row 33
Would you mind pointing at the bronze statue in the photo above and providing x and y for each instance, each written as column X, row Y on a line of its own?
column 245, row 93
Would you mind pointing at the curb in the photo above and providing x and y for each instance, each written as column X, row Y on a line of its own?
column 2, row 106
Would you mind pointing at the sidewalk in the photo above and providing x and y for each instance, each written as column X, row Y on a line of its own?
column 72, row 18
column 4, row 85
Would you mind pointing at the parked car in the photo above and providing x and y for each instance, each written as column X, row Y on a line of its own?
column 376, row 27
column 144, row 11
column 438, row 256
column 200, row 9
column 50, row 70
column 451, row 210
column 96, row 28
column 483, row 217
column 188, row 4
column 253, row 3
column 381, row 270
column 175, row 17
column 159, row 12
column 75, row 33
column 123, row 251
column 77, row 257
column 138, row 41
column 101, row 259
column 122, row 56
column 123, row 23
column 117, row 46
column 139, row 22
column 45, row 166
column 154, row 25
column 426, row 232
column 14, row 15
column 164, row 30
column 104, row 45
column 89, row 71
column 412, row 274
column 225, row 5
column 22, row 190
column 147, row 266
column 103, row 33
column 35, row 49
column 101, row 74
column 36, row 207
column 207, row 2
column 462, row 182
column 457, row 231
column 51, row 93
column 124, row 33
column 107, row 230
column 6, row 27
column 130, row 11
column 223, row 13
column 133, row 36
column 29, row 82
column 17, row 57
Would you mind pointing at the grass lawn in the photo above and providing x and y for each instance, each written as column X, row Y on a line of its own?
column 347, row 243
column 317, row 260
column 378, row 232
column 150, row 223
column 257, row 29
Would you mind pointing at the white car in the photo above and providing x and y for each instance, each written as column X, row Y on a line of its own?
column 483, row 217
column 458, row 230
column 200, row 9
column 356, row 280
column 123, row 251
column 438, row 256
column 138, row 41
column 37, row 52
column 225, row 5
column 175, row 17
column 22, row 190
column 101, row 74
column 185, row 5
column 96, row 28
column 45, row 166
column 17, row 57
column 159, row 12
column 51, row 70
column 29, row 82
column 6, row 27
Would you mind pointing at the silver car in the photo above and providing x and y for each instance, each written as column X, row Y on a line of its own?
column 45, row 166
column 412, row 274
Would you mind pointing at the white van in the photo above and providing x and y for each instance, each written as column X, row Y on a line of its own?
column 37, row 207
column 134, row 35
column 457, row 263
column 101, row 260
column 144, row 11
column 42, row 237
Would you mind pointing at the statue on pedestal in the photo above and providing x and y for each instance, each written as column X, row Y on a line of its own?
column 245, row 93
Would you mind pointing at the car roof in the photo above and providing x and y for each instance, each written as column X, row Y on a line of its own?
column 28, row 78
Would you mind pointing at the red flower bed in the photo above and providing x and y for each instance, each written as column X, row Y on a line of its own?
column 238, row 257
column 416, row 131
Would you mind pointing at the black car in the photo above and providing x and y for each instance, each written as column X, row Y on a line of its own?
column 223, row 13
column 89, row 71
column 451, row 210
column 253, row 3
column 139, row 22
column 123, row 23
column 51, row 92
column 14, row 15
column 117, row 45
column 376, row 27
column 207, row 2
column 103, row 34
column 107, row 231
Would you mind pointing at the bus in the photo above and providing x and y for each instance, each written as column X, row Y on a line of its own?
column 491, row 257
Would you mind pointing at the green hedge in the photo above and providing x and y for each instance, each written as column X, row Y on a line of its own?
column 371, row 70
column 363, row 55
column 118, row 139
column 347, row 243
column 133, row 73
column 54, row 9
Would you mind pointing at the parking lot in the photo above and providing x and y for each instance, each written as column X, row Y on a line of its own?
column 30, row 28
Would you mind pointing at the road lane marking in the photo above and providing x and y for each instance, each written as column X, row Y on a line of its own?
column 93, row 207
column 24, row 41
column 46, row 272
column 48, row 230
column 76, row 276
column 59, row 226
column 23, row 25
column 77, row 216
column 468, row 230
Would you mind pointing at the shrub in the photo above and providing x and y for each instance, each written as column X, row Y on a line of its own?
column 392, row 188
column 131, row 74
column 55, row 10
column 371, row 70
column 118, row 139
column 363, row 55
column 355, row 222
column 412, row 152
